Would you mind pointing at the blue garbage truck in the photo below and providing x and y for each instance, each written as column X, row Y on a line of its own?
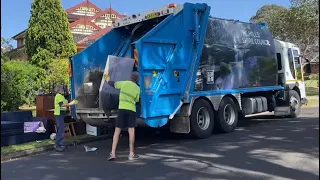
column 197, row 73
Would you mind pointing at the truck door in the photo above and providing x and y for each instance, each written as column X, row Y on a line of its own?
column 166, row 56
column 296, row 69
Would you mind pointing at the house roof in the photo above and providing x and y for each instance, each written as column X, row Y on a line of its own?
column 90, row 5
column 84, row 21
column 95, row 36
column 74, row 17
column 78, row 37
column 106, row 11
column 19, row 34
column 78, row 19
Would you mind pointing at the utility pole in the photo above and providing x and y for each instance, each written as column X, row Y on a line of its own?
column 85, row 16
column 110, row 13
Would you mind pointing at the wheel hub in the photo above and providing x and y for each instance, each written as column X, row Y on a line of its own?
column 294, row 103
column 229, row 114
column 203, row 118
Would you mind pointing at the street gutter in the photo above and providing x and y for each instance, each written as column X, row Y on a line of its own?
column 28, row 152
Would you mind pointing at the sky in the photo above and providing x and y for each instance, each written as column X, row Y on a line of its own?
column 15, row 14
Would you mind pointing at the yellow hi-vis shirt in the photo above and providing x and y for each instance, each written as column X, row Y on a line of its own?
column 129, row 94
column 59, row 99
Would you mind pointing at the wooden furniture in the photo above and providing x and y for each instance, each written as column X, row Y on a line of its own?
column 68, row 129
column 44, row 103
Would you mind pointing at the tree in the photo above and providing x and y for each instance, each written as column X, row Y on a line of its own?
column 57, row 73
column 273, row 15
column 48, row 33
column 298, row 24
column 5, row 45
column 304, row 16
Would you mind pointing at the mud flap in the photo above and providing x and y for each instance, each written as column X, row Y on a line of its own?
column 180, row 124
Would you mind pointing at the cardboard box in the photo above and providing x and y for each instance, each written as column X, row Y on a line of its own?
column 91, row 130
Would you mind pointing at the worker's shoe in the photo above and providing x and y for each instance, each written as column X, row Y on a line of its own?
column 133, row 157
column 60, row 149
column 112, row 157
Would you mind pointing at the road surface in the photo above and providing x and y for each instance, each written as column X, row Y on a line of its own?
column 260, row 148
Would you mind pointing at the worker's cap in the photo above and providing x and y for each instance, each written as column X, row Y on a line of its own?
column 135, row 76
column 59, row 88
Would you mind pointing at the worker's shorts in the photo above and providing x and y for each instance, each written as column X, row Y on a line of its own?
column 126, row 119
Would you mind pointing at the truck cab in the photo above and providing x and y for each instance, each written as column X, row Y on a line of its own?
column 290, row 68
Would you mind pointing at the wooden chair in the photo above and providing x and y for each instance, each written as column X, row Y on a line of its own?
column 67, row 130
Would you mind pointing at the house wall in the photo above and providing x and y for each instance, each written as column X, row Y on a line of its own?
column 315, row 68
column 20, row 42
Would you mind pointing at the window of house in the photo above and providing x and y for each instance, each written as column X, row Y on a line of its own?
column 113, row 16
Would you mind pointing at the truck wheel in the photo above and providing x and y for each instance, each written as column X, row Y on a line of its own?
column 201, row 119
column 227, row 116
column 295, row 104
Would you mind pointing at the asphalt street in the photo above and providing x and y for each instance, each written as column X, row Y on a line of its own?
column 262, row 147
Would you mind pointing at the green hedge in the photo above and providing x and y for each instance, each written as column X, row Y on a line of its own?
column 314, row 77
column 19, row 82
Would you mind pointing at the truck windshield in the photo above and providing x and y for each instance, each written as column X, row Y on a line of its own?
column 291, row 63
column 296, row 57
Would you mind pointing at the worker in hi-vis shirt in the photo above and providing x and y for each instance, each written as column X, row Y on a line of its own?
column 60, row 108
column 129, row 96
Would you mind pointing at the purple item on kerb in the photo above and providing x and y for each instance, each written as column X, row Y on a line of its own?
column 31, row 126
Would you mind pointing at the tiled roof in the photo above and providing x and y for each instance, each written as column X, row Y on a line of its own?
column 106, row 11
column 85, row 21
column 74, row 17
column 95, row 36
column 78, row 37
column 20, row 33
column 87, row 43
column 90, row 5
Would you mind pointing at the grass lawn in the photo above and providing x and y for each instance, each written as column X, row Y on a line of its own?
column 313, row 101
column 312, row 88
column 312, row 91
column 34, row 145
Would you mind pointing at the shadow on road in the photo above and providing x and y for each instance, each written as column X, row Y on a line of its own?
column 261, row 148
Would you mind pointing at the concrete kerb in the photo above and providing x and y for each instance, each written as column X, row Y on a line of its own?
column 28, row 152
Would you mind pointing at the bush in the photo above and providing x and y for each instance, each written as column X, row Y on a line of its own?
column 10, row 100
column 57, row 73
column 19, row 82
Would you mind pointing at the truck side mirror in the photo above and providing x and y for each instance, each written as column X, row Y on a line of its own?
column 308, row 68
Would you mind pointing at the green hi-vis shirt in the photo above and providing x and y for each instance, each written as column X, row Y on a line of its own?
column 58, row 101
column 129, row 94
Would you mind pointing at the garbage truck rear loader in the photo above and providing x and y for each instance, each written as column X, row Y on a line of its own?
column 197, row 73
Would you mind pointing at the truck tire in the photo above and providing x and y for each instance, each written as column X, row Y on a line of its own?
column 295, row 104
column 227, row 116
column 201, row 119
